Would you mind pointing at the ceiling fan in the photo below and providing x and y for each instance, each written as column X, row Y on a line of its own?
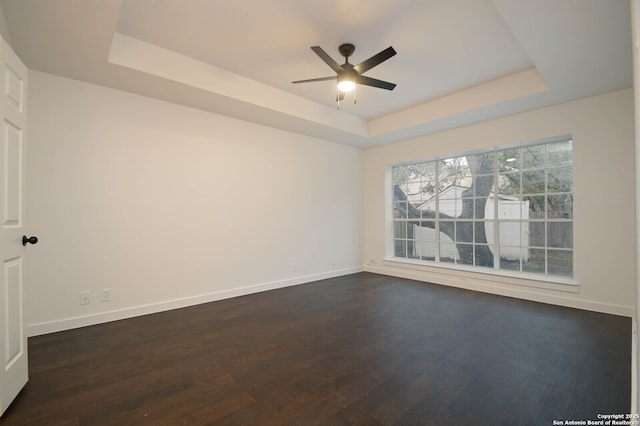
column 349, row 75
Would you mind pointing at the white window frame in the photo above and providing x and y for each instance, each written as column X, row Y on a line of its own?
column 546, row 275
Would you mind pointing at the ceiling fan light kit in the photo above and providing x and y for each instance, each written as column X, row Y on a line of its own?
column 346, row 85
column 348, row 75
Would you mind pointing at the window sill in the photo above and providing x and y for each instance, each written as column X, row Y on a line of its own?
column 461, row 272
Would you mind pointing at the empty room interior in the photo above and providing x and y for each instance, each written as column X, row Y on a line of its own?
column 420, row 212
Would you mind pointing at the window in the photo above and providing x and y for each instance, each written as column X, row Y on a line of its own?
column 507, row 209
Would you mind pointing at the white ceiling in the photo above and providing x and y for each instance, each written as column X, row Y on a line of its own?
column 458, row 62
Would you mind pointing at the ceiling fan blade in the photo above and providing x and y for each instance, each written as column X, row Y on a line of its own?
column 374, row 82
column 375, row 60
column 315, row 79
column 326, row 58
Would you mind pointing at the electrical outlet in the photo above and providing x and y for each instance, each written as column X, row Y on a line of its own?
column 105, row 295
column 294, row 267
column 334, row 261
column 85, row 297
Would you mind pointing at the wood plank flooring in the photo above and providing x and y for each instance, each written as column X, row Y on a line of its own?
column 361, row 349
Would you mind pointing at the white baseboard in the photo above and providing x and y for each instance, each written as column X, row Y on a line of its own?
column 561, row 298
column 134, row 311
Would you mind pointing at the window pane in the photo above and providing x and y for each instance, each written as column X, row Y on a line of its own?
column 537, row 236
column 560, row 153
column 400, row 209
column 536, row 261
column 560, row 262
column 479, row 207
column 449, row 201
column 427, row 213
column 448, row 253
column 397, row 175
column 425, row 241
column 480, row 233
column 483, row 185
column 429, row 224
column 510, row 263
column 510, row 254
column 489, row 226
column 537, row 206
column 533, row 182
column 560, row 180
column 400, row 248
column 428, row 209
column 454, row 172
column 560, row 206
column 482, row 162
column 467, row 193
column 400, row 229
column 513, row 234
column 465, row 251
column 456, row 197
column 533, row 157
column 464, row 232
column 509, row 183
column 411, row 248
column 463, row 172
column 425, row 250
column 483, row 255
column 560, row 234
column 512, row 208
column 509, row 160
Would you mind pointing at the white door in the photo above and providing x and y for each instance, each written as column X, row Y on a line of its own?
column 13, row 337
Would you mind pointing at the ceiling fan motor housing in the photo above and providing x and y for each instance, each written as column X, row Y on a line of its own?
column 346, row 50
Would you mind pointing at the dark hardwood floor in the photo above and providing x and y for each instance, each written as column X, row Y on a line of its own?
column 361, row 349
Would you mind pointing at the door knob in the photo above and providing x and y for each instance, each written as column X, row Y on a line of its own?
column 30, row 240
